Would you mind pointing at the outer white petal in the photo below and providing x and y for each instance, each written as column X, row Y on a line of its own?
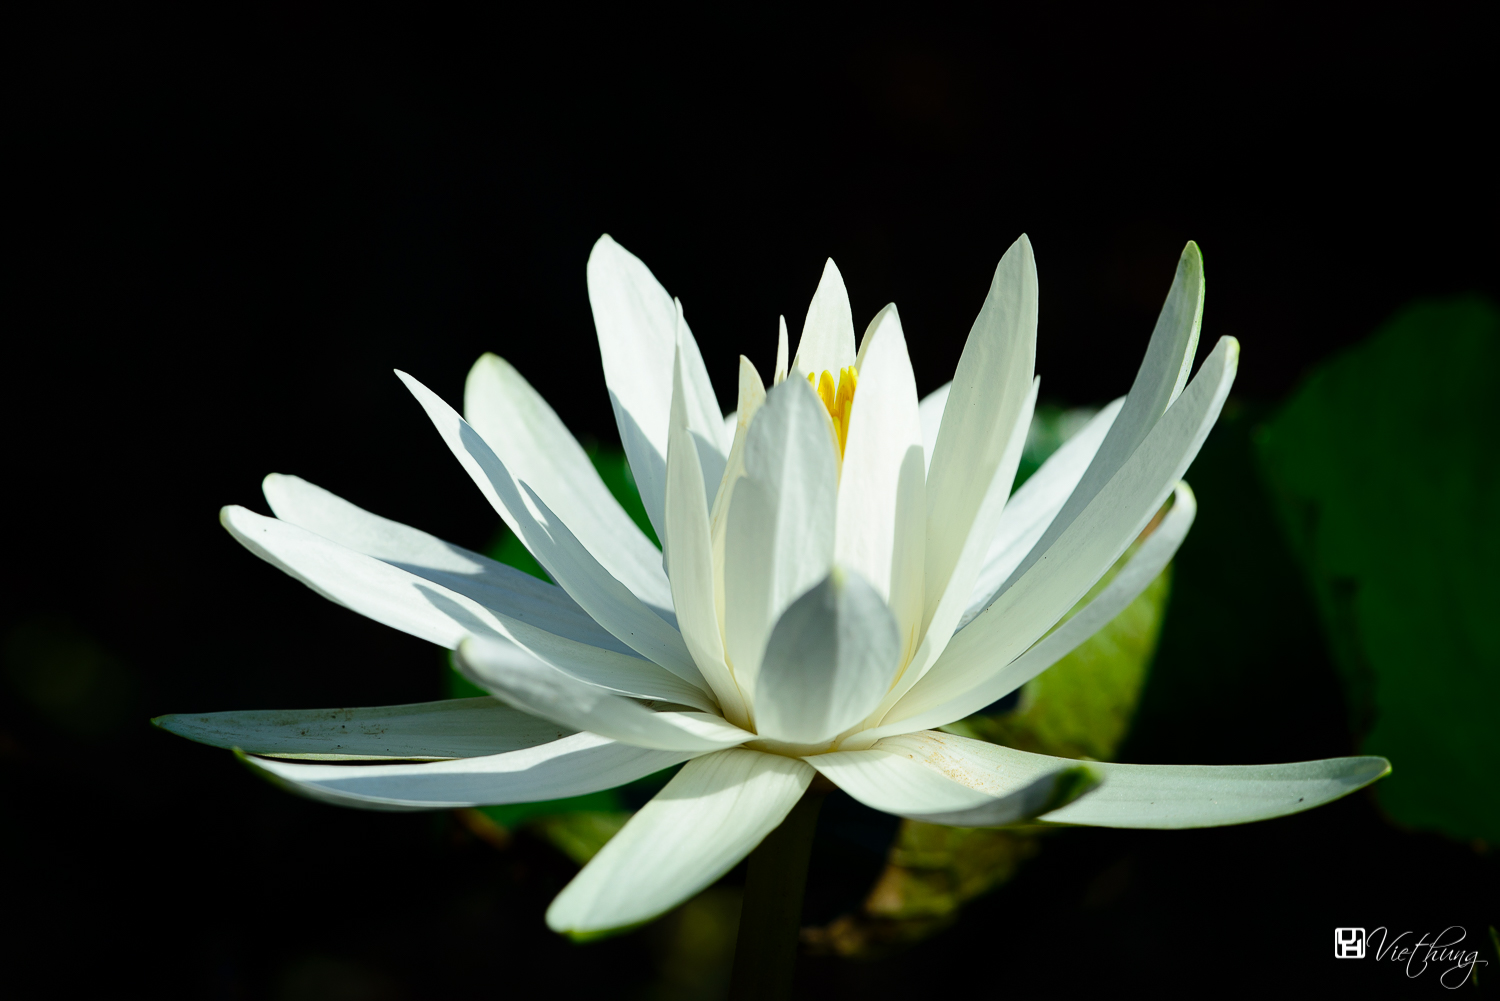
column 553, row 695
column 637, row 325
column 1149, row 796
column 1162, row 375
column 453, row 728
column 893, row 782
column 604, row 598
column 829, row 660
column 930, row 410
column 779, row 536
column 1093, row 541
column 881, row 529
column 492, row 584
column 573, row 766
column 827, row 342
column 689, row 557
column 712, row 814
column 538, row 449
column 1031, row 508
column 439, row 615
column 1144, row 567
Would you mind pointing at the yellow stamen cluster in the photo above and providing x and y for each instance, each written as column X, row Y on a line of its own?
column 838, row 401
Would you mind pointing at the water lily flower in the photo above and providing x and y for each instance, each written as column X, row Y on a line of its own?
column 844, row 569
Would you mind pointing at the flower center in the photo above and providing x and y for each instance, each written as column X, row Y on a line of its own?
column 838, row 401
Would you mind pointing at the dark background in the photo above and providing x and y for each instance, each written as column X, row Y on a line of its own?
column 227, row 232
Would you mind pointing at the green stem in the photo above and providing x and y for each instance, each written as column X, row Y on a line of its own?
column 765, row 953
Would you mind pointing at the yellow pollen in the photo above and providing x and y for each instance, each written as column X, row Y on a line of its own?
column 838, row 401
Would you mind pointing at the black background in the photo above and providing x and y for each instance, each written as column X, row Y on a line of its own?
column 226, row 232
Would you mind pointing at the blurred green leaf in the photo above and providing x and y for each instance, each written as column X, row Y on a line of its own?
column 1385, row 468
column 581, row 833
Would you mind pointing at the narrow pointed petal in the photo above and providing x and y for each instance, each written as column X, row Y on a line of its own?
column 829, row 660
column 454, row 728
column 827, row 342
column 435, row 613
column 930, row 410
column 637, row 325
column 1002, row 679
column 943, row 617
column 573, row 766
column 526, row 434
column 781, row 351
column 698, row 407
column 1158, row 383
column 1148, row 796
column 1031, row 508
column 597, row 592
column 894, row 779
column 881, row 529
column 1093, row 541
column 553, row 695
column 779, row 534
column 752, row 396
column 690, row 564
column 984, row 427
column 492, row 584
column 712, row 814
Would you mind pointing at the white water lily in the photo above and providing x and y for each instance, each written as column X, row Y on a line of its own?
column 844, row 570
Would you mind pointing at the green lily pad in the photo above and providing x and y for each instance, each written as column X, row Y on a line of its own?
column 1385, row 468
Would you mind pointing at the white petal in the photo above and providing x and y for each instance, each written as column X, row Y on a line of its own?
column 779, row 535
column 1137, row 574
column 731, row 424
column 306, row 505
column 1031, row 508
column 983, row 431
column 1162, row 375
column 688, row 553
column 827, row 342
column 712, row 814
column 597, row 592
column 454, row 728
column 906, row 782
column 443, row 616
column 537, row 448
column 781, row 351
column 930, row 410
column 829, row 660
column 938, row 626
column 1148, row 796
column 492, row 584
column 1093, row 541
column 881, row 529
column 540, row 690
column 699, row 407
column 573, row 766
column 752, row 395
column 637, row 325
